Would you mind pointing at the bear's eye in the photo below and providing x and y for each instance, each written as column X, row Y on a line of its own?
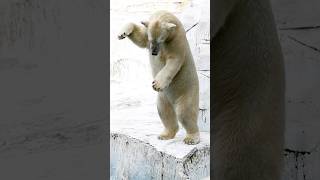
column 161, row 39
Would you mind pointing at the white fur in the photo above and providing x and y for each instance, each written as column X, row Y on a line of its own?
column 174, row 72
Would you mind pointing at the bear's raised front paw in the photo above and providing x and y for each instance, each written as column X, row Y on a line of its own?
column 126, row 31
column 121, row 36
column 192, row 139
column 158, row 85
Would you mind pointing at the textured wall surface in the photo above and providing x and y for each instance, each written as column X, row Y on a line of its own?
column 299, row 29
column 53, row 89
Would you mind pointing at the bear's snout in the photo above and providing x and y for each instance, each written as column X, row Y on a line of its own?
column 154, row 49
column 154, row 53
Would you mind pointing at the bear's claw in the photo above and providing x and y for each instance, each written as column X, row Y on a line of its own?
column 158, row 85
column 165, row 135
column 155, row 86
column 122, row 36
column 192, row 139
column 126, row 31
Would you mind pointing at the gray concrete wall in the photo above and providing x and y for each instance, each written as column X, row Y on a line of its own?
column 299, row 30
column 53, row 89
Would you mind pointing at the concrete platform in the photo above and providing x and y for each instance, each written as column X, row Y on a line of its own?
column 136, row 153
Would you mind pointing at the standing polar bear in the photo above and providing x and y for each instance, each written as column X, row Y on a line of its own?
column 248, row 92
column 173, row 70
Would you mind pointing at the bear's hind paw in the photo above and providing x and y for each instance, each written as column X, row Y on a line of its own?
column 192, row 139
column 167, row 135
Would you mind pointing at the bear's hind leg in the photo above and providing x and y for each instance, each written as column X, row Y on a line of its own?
column 168, row 118
column 187, row 114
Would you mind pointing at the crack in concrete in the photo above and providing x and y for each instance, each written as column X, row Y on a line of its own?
column 304, row 44
column 192, row 27
column 205, row 75
column 300, row 28
column 296, row 152
column 203, row 116
column 296, row 155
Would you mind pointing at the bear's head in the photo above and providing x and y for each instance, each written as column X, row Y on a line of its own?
column 158, row 33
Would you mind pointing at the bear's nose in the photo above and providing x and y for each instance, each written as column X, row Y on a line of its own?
column 154, row 52
column 154, row 49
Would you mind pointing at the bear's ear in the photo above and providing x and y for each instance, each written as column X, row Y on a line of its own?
column 170, row 26
column 145, row 23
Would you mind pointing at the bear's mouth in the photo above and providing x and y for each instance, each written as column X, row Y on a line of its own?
column 154, row 49
column 154, row 53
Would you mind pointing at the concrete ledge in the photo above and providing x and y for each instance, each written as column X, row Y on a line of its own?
column 135, row 151
column 136, row 159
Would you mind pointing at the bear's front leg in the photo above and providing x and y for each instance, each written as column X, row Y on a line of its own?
column 137, row 34
column 167, row 73
column 126, row 31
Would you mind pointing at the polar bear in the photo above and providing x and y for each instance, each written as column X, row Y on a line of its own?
column 173, row 70
column 248, row 92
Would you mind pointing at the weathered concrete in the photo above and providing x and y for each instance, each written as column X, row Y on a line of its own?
column 53, row 93
column 299, row 30
column 134, row 159
column 135, row 151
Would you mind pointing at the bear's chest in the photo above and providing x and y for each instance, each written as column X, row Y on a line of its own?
column 157, row 62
